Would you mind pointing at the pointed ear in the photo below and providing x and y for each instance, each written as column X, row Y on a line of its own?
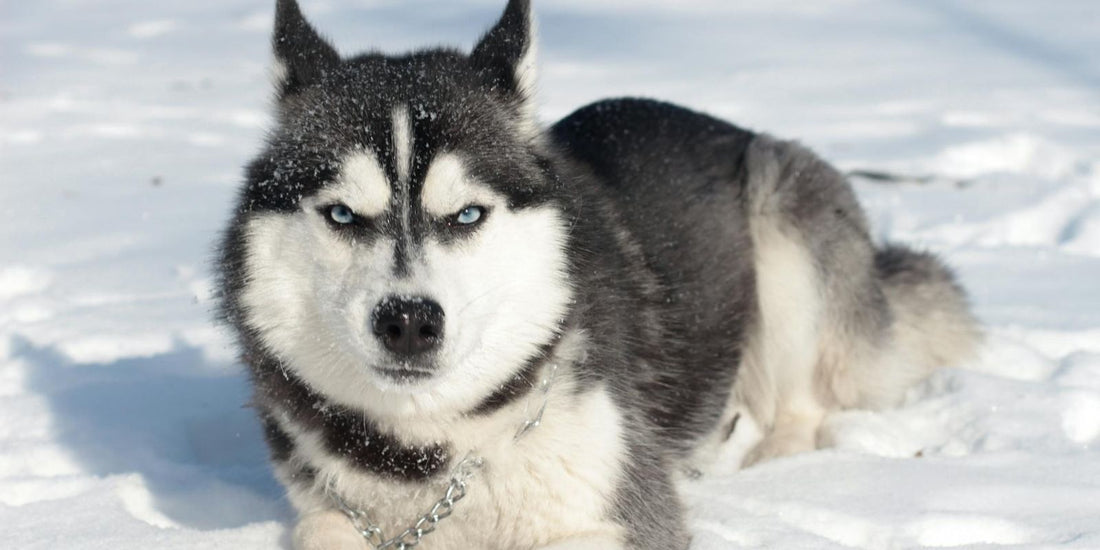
column 506, row 55
column 302, row 57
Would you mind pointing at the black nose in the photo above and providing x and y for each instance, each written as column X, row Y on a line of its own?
column 408, row 326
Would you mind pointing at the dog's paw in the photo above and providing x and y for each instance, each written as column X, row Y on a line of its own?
column 793, row 433
column 327, row 530
column 779, row 444
column 586, row 543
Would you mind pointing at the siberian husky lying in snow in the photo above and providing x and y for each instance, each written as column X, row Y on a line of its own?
column 471, row 332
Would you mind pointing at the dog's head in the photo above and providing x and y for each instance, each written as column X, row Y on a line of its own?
column 400, row 244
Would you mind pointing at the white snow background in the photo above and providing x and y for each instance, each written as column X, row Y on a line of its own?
column 124, row 125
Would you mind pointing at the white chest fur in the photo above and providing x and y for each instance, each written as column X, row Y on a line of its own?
column 554, row 484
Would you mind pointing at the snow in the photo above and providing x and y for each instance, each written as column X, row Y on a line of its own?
column 124, row 124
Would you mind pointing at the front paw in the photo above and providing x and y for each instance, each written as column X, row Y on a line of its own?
column 328, row 530
column 587, row 543
column 793, row 433
column 777, row 446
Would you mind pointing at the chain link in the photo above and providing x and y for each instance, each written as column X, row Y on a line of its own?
column 543, row 389
column 456, row 491
column 424, row 525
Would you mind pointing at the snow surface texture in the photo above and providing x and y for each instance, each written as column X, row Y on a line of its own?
column 124, row 124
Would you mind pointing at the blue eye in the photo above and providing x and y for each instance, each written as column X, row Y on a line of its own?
column 470, row 215
column 341, row 214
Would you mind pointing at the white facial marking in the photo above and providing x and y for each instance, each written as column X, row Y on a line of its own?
column 447, row 188
column 402, row 143
column 402, row 157
column 361, row 185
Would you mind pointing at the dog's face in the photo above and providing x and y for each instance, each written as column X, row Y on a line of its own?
column 403, row 250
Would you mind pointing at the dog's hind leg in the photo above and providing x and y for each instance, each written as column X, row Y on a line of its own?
column 778, row 373
column 821, row 311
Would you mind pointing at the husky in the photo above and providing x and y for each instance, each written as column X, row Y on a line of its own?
column 466, row 330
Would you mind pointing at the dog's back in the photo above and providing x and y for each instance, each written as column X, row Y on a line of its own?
column 767, row 268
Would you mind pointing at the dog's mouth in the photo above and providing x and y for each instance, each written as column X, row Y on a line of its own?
column 405, row 374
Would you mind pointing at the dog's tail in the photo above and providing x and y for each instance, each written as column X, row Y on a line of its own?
column 932, row 322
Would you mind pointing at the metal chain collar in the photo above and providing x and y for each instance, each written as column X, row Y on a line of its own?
column 456, row 490
column 427, row 523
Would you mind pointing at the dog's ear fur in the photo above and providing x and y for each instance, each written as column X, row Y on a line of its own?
column 506, row 56
column 302, row 57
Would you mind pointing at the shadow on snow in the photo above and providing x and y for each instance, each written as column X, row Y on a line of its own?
column 190, row 436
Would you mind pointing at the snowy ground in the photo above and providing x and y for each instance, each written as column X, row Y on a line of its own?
column 123, row 126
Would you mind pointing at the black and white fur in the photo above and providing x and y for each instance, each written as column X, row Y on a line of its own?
column 685, row 277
